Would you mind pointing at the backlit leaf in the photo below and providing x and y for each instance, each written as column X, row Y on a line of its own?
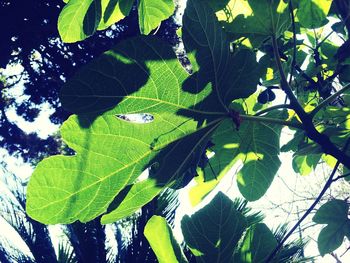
column 78, row 20
column 151, row 13
column 113, row 11
column 257, row 146
column 256, row 19
column 305, row 164
column 160, row 236
column 139, row 76
column 213, row 232
column 313, row 13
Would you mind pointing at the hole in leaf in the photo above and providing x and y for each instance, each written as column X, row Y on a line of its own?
column 136, row 118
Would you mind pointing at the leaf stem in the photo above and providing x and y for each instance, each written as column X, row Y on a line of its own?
column 275, row 107
column 328, row 100
column 271, row 120
column 309, row 210
column 341, row 176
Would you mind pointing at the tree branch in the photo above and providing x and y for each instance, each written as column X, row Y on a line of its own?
column 340, row 177
column 309, row 210
column 322, row 139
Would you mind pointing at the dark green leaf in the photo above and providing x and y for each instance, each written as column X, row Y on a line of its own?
column 330, row 238
column 257, row 244
column 313, row 13
column 334, row 211
column 213, row 232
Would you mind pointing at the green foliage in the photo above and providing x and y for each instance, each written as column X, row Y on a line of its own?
column 256, row 19
column 313, row 13
column 80, row 19
column 213, row 232
column 257, row 244
column 152, row 13
column 185, row 114
column 222, row 231
column 335, row 214
column 164, row 245
column 305, row 164
column 257, row 146
column 136, row 109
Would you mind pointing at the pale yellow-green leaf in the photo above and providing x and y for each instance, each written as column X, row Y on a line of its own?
column 160, row 237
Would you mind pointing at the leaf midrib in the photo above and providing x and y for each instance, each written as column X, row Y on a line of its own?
column 120, row 169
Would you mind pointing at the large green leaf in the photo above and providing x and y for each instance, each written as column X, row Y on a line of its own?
column 213, row 232
column 330, row 238
column 161, row 174
column 160, row 236
column 113, row 11
column 257, row 244
column 78, row 20
column 151, row 13
column 334, row 213
column 140, row 75
column 313, row 13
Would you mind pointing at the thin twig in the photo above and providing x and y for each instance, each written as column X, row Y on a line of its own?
column 309, row 210
column 328, row 100
column 345, row 252
column 324, row 39
column 340, row 177
column 304, row 75
column 275, row 107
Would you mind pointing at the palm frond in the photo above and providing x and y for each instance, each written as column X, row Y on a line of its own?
column 241, row 205
column 88, row 240
column 167, row 203
column 293, row 251
column 34, row 234
column 65, row 253
column 8, row 253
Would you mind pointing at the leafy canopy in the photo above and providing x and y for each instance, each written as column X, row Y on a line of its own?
column 216, row 111
column 80, row 19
